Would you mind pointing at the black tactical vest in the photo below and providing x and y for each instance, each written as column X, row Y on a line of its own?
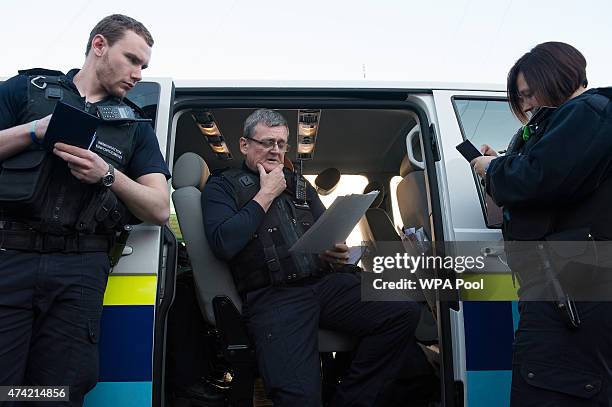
column 37, row 188
column 266, row 260
column 592, row 214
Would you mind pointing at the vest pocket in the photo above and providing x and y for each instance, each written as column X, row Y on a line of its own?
column 24, row 179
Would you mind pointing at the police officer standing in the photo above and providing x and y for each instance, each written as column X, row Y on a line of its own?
column 555, row 183
column 61, row 207
column 251, row 218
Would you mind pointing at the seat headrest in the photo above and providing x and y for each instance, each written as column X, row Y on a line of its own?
column 327, row 181
column 406, row 167
column 376, row 186
column 190, row 170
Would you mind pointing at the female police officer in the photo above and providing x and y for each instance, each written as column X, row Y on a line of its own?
column 556, row 179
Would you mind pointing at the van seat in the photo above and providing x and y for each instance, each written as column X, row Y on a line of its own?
column 376, row 225
column 379, row 226
column 412, row 197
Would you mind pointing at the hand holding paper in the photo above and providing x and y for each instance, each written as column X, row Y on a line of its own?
column 338, row 255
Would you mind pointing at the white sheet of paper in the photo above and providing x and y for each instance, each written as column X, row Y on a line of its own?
column 335, row 224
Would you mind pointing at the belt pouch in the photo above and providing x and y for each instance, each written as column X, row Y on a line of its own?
column 24, row 179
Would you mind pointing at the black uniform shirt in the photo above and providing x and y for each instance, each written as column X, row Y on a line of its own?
column 229, row 229
column 146, row 159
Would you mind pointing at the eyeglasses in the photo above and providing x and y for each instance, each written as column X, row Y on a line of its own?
column 269, row 144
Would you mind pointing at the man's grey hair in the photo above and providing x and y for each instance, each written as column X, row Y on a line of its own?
column 267, row 117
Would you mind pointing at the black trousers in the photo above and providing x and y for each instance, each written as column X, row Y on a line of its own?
column 554, row 366
column 284, row 323
column 50, row 309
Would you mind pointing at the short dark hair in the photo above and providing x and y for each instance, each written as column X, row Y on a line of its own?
column 267, row 117
column 113, row 28
column 553, row 71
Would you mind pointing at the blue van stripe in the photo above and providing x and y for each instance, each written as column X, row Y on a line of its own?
column 120, row 394
column 489, row 335
column 488, row 388
column 126, row 343
column 515, row 315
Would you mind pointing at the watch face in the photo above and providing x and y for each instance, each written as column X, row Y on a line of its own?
column 108, row 180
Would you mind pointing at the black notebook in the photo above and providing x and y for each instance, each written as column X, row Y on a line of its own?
column 71, row 126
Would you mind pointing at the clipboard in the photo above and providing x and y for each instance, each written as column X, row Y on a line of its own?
column 71, row 126
column 335, row 224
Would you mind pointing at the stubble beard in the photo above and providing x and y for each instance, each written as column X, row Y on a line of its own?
column 105, row 75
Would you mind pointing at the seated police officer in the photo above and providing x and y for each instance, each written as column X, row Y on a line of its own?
column 60, row 210
column 251, row 219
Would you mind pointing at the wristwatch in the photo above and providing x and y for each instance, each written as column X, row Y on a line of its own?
column 108, row 178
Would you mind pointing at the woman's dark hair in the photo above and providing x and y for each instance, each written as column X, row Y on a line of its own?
column 553, row 71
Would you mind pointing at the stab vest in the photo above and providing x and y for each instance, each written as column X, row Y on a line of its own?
column 592, row 213
column 37, row 187
column 266, row 260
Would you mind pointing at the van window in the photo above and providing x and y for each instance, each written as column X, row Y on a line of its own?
column 486, row 121
column 146, row 96
column 349, row 184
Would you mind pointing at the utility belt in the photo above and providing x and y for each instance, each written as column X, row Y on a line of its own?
column 19, row 236
column 574, row 255
column 564, row 267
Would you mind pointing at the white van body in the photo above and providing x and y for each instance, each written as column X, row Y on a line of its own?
column 476, row 371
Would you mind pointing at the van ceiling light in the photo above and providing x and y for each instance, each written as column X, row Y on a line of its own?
column 209, row 129
column 308, row 127
column 307, row 130
column 305, row 148
column 220, row 148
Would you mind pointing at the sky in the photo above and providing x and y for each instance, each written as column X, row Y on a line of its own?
column 473, row 41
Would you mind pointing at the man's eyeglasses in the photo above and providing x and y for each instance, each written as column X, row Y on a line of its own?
column 269, row 144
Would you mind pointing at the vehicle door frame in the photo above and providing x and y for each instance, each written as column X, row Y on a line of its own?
column 167, row 248
column 327, row 98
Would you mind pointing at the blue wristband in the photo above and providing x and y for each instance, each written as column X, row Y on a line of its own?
column 33, row 133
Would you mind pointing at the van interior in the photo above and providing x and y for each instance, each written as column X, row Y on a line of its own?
column 209, row 359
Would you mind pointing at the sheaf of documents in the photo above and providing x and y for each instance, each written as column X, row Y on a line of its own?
column 335, row 224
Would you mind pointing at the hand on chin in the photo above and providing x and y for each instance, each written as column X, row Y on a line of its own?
column 269, row 165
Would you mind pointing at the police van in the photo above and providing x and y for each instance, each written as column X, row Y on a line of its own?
column 400, row 137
